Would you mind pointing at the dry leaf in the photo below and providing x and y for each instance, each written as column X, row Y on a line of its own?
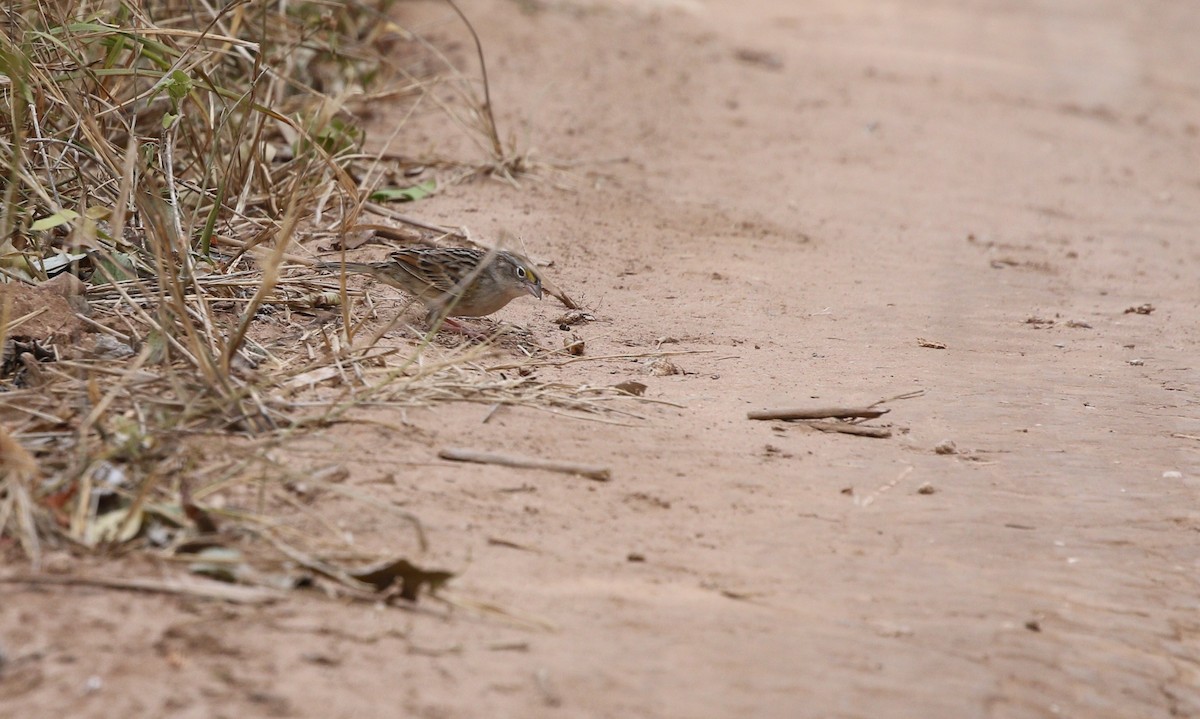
column 411, row 577
column 633, row 387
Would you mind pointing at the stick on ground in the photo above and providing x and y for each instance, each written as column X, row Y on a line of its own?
column 234, row 593
column 819, row 413
column 855, row 429
column 459, row 454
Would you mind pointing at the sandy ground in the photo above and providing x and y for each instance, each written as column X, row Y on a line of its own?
column 809, row 188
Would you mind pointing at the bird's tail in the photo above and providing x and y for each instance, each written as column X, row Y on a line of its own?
column 348, row 266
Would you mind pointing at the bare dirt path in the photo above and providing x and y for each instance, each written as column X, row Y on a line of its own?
column 810, row 188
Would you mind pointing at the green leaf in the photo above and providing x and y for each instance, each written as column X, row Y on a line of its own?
column 168, row 118
column 338, row 136
column 116, row 265
column 404, row 194
column 179, row 85
column 58, row 218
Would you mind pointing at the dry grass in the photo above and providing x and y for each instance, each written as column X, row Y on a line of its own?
column 146, row 147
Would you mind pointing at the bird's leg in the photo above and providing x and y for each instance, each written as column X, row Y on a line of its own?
column 436, row 319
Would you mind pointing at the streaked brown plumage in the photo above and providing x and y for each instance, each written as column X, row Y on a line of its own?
column 449, row 279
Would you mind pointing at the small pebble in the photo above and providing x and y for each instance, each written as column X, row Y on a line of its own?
column 635, row 557
column 1172, row 474
column 1136, row 362
column 662, row 367
column 926, row 488
column 109, row 347
column 946, row 446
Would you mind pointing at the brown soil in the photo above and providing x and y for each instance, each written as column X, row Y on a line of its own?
column 808, row 189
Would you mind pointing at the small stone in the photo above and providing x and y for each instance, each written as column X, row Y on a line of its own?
column 1136, row 362
column 762, row 58
column 662, row 367
column 926, row 488
column 1172, row 474
column 946, row 446
column 109, row 347
column 635, row 557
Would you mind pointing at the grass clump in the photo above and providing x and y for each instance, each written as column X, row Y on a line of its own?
column 162, row 161
column 143, row 147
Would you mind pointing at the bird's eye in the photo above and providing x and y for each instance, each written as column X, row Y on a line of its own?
column 521, row 273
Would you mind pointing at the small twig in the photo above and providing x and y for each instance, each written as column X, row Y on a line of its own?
column 168, row 163
column 819, row 413
column 381, row 210
column 904, row 395
column 103, row 328
column 1181, row 435
column 490, row 119
column 867, row 500
column 495, row 408
column 499, row 542
column 597, row 358
column 458, row 454
column 855, row 429
column 316, row 565
column 205, row 590
column 553, row 290
column 12, row 325
column 871, row 411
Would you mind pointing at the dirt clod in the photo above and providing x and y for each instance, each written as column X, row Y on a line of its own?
column 946, row 446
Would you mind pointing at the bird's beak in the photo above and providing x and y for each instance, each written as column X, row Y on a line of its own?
column 535, row 290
